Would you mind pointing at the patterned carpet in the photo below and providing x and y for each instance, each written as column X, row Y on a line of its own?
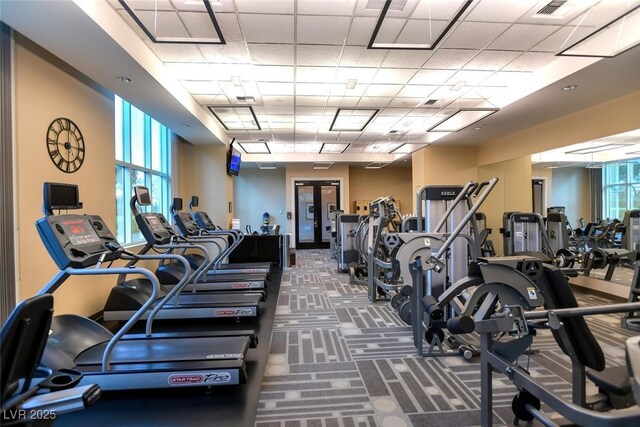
column 336, row 360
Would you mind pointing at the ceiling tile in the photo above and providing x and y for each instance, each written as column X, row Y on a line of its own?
column 311, row 111
column 382, row 90
column 168, row 52
column 491, row 60
column 276, row 73
column 417, row 91
column 343, row 101
column 318, row 55
column 506, row 78
column 275, row 88
column 267, row 28
column 393, row 75
column 473, row 35
column 341, row 89
column 327, row 30
column 277, row 109
column 500, row 10
column 362, row 75
column 315, row 74
column 522, row 36
column 277, row 101
column 450, row 59
column 530, row 61
column 395, row 112
column 228, row 71
column 311, row 100
column 361, row 31
column 356, row 56
column 431, row 77
column 229, row 27
column 271, row 54
column 469, row 77
column 562, row 38
column 230, row 53
column 211, row 99
column 326, row 7
column 271, row 6
column 313, row 89
column 373, row 102
column 406, row 59
column 190, row 70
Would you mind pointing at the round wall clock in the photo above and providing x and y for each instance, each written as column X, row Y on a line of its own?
column 65, row 145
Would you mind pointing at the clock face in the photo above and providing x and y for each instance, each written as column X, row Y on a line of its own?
column 66, row 145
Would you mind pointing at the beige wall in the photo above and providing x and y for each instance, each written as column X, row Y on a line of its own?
column 609, row 118
column 368, row 184
column 512, row 193
column 44, row 92
column 571, row 188
column 202, row 173
column 439, row 164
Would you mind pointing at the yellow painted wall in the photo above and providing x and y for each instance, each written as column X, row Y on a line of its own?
column 368, row 184
column 446, row 165
column 43, row 92
column 202, row 173
column 512, row 193
column 609, row 118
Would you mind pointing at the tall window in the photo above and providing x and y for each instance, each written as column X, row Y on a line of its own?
column 143, row 157
column 621, row 188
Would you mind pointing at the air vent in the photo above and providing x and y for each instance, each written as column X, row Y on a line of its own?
column 430, row 102
column 245, row 98
column 263, row 140
column 552, row 7
column 378, row 4
column 391, row 132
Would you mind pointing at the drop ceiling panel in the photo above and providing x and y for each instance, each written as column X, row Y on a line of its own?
column 311, row 101
column 395, row 112
column 273, row 54
column 382, row 90
column 360, row 31
column 313, row 89
column 562, row 38
column 211, row 99
column 267, row 28
column 275, row 88
column 500, row 11
column 326, row 7
column 272, row 73
column 431, row 77
column 441, row 9
column 231, row 53
column 341, row 89
column 356, row 56
column 417, row 91
column 405, row 101
column 271, row 6
column 492, row 59
column 523, row 36
column 393, row 75
column 202, row 87
column 450, row 59
column 530, row 61
column 318, row 55
column 229, row 26
column 506, row 78
column 372, row 102
column 604, row 12
column 313, row 111
column 315, row 74
column 406, row 59
column 199, row 26
column 162, row 24
column 362, row 75
column 469, row 77
column 278, row 101
column 176, row 52
column 331, row 30
column 474, row 35
column 228, row 71
column 191, row 71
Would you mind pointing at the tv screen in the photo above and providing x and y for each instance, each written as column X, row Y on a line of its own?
column 61, row 196
column 233, row 162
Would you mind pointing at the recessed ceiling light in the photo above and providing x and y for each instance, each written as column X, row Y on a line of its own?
column 477, row 128
column 569, row 87
column 123, row 79
column 351, row 83
column 186, row 126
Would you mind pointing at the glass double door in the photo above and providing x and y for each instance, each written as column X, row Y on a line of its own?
column 314, row 201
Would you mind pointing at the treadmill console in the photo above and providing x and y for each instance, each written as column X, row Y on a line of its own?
column 204, row 221
column 77, row 241
column 186, row 224
column 155, row 228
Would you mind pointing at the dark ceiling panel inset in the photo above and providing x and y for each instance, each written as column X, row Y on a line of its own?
column 334, row 148
column 610, row 40
column 255, row 147
column 415, row 26
column 352, row 119
column 236, row 117
column 173, row 22
column 462, row 119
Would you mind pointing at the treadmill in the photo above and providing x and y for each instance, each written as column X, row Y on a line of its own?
column 80, row 245
column 204, row 222
column 171, row 302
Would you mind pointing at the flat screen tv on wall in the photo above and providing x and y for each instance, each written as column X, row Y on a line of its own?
column 233, row 162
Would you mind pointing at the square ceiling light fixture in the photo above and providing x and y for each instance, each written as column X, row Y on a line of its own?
column 352, row 119
column 236, row 117
column 611, row 40
column 254, row 147
column 408, row 148
column 186, row 22
column 322, row 165
column 375, row 165
column 333, row 148
column 423, row 29
column 462, row 119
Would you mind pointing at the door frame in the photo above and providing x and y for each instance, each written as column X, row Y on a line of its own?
column 294, row 219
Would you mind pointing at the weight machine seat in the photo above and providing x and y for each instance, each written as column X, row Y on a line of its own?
column 576, row 340
column 614, row 380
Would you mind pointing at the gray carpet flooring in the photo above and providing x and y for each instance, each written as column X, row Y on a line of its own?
column 336, row 360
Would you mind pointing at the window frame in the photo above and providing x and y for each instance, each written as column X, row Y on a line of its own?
column 631, row 187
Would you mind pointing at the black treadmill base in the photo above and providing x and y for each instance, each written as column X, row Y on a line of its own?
column 230, row 406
